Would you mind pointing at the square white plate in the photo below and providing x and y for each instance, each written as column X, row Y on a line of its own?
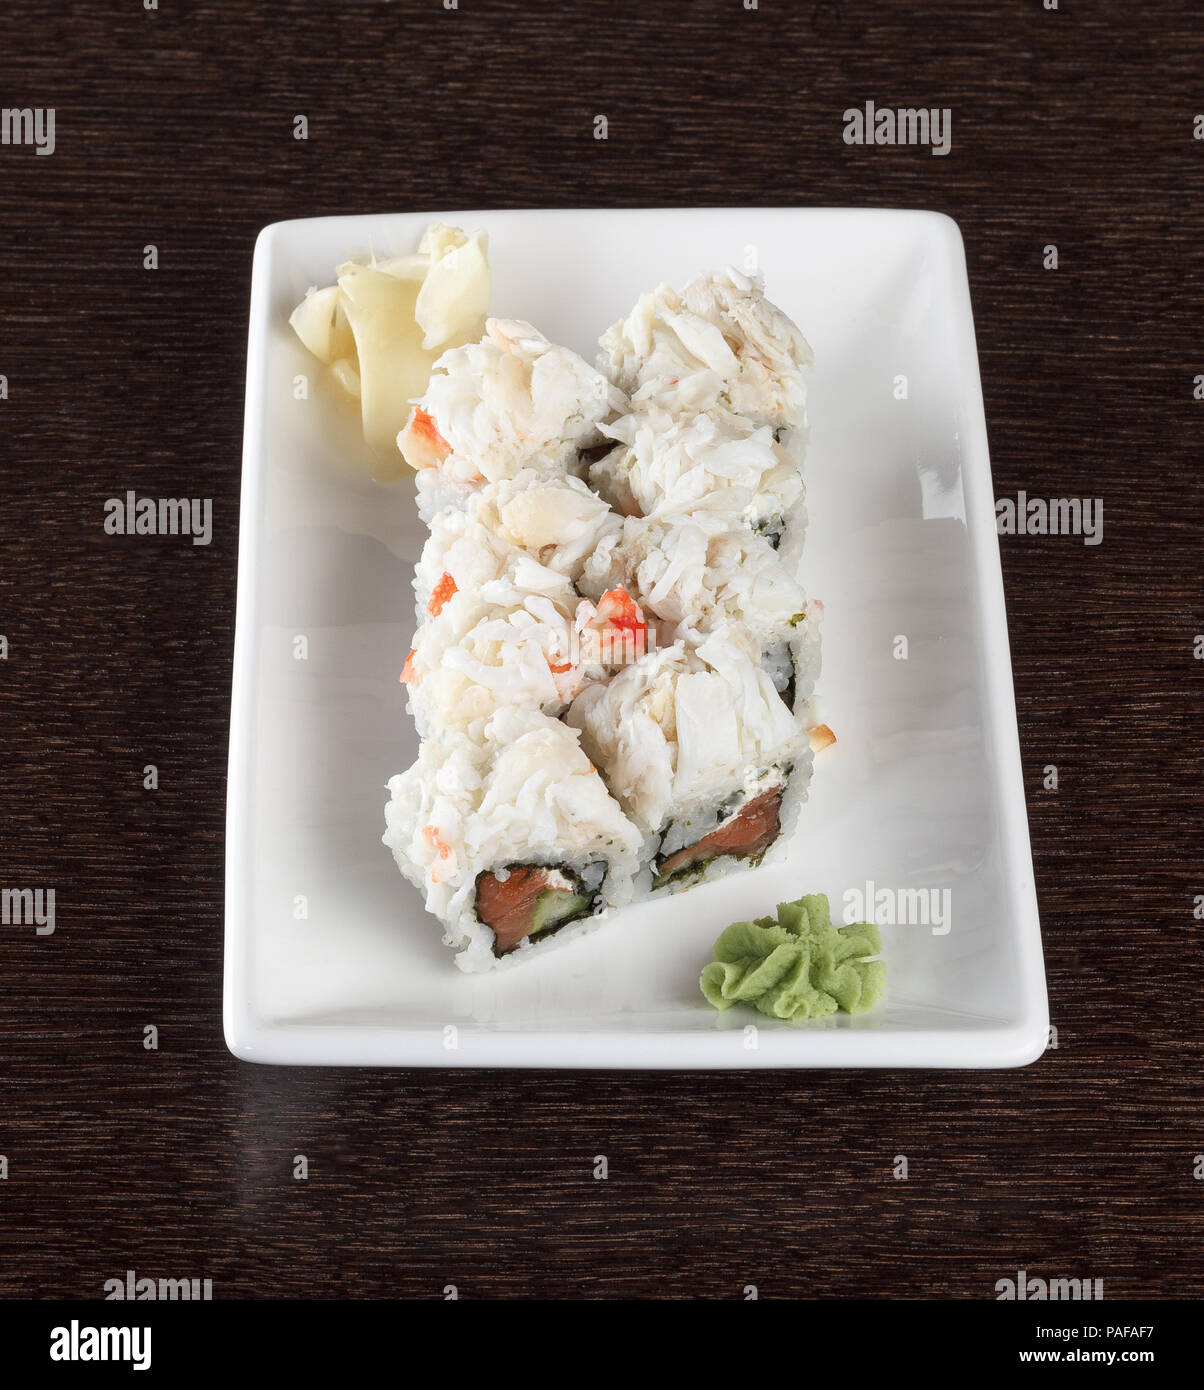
column 329, row 955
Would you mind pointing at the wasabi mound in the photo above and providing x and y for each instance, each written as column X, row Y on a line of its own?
column 797, row 967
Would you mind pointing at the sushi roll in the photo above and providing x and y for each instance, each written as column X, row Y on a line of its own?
column 513, row 645
column 701, row 752
column 519, row 647
column 512, row 401
column 719, row 342
column 496, row 626
column 558, row 521
column 700, row 573
column 698, row 569
column 715, row 462
column 469, row 554
column 613, row 663
column 513, row 838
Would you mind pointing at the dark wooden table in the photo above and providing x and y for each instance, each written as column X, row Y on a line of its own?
column 1071, row 127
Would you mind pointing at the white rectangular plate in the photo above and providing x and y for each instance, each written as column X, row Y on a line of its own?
column 330, row 957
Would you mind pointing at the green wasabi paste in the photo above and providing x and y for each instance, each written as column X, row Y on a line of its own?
column 797, row 967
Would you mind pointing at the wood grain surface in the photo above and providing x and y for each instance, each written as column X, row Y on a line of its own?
column 1072, row 127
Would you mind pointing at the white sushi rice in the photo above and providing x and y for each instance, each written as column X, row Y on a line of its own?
column 699, row 574
column 458, row 677
column 501, row 623
column 514, row 400
column 559, row 521
column 719, row 341
column 524, row 793
column 495, row 627
column 714, row 462
column 687, row 727
column 483, row 564
column 701, row 570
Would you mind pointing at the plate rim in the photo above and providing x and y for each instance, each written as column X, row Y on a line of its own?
column 1017, row 1042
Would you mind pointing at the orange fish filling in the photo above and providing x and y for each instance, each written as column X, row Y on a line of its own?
column 746, row 836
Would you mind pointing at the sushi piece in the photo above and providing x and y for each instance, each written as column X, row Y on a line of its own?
column 701, row 573
column 496, row 626
column 718, row 342
column 715, row 462
column 517, row 647
column 700, row 570
column 512, row 401
column 474, row 556
column 558, row 521
column 701, row 752
column 513, row 643
column 513, row 839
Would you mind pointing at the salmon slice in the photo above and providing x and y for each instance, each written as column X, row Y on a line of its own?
column 531, row 899
column 746, row 836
